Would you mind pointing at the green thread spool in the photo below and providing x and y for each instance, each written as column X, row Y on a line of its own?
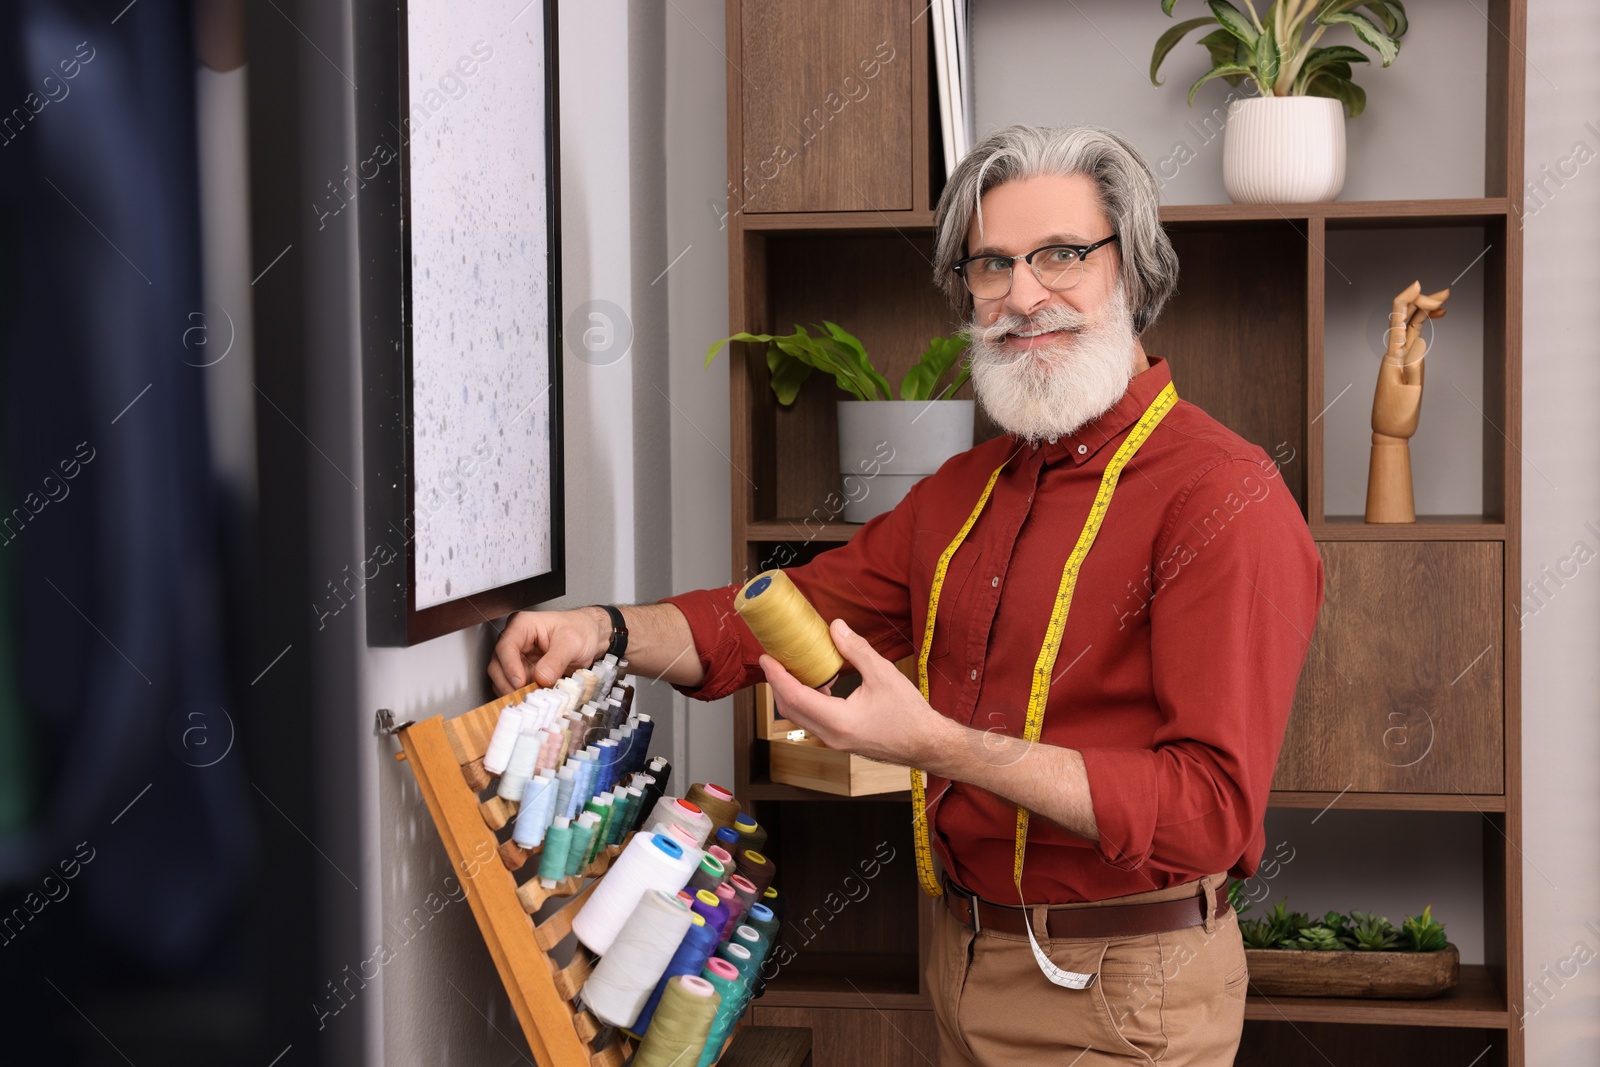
column 557, row 845
column 709, row 874
column 601, row 806
column 619, row 808
column 752, row 835
column 682, row 1023
column 582, row 837
column 724, row 978
column 754, row 940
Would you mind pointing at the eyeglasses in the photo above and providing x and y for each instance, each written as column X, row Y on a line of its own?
column 1060, row 267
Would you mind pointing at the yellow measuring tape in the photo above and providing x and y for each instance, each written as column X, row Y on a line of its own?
column 1052, row 641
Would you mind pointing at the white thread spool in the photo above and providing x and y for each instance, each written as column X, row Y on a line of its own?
column 506, row 729
column 674, row 811
column 627, row 974
column 519, row 768
column 649, row 862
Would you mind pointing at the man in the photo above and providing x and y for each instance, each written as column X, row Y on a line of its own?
column 1114, row 645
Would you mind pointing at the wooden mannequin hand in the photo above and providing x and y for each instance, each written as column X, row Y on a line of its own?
column 1397, row 401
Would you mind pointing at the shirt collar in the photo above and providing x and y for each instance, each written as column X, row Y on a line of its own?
column 1081, row 445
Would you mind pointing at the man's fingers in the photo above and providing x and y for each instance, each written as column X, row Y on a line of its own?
column 497, row 678
column 857, row 649
column 508, row 653
column 794, row 695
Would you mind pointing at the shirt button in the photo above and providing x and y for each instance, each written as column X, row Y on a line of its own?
column 995, row 581
column 974, row 674
column 1036, row 446
column 1082, row 449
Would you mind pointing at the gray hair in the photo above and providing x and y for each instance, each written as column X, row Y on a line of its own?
column 1127, row 191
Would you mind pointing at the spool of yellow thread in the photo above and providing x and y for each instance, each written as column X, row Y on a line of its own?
column 788, row 627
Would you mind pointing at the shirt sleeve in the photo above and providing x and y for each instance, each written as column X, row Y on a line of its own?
column 864, row 581
column 1239, row 587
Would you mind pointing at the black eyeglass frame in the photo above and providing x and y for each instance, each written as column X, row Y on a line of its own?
column 1081, row 251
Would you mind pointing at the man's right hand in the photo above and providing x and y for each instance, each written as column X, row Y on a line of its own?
column 545, row 646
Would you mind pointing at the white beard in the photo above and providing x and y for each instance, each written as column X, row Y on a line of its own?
column 1058, row 386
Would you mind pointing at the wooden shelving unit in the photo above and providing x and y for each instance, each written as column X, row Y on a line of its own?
column 1247, row 346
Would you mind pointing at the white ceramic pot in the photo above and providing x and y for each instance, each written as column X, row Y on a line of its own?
column 885, row 446
column 1284, row 150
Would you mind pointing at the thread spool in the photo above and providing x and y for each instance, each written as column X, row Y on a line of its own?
column 683, row 1024
column 709, row 874
column 566, row 779
column 754, row 940
column 582, row 837
column 673, row 811
column 732, row 1003
column 649, row 862
column 636, row 957
column 706, row 903
column 557, row 844
column 690, row 958
column 730, row 900
column 504, row 739
column 519, row 768
column 724, row 857
column 601, row 806
column 756, row 867
column 751, row 834
column 724, row 978
column 716, row 802
column 727, row 838
column 747, row 892
column 631, row 814
column 533, row 815
column 788, row 627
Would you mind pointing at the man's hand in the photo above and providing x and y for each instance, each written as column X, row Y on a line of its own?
column 885, row 718
column 545, row 646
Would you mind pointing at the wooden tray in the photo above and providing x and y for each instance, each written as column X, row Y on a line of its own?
column 1398, row 975
column 525, row 938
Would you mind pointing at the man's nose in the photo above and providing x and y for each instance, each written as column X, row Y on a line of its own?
column 1027, row 293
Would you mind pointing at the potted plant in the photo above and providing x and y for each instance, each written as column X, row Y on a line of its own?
column 1339, row 955
column 885, row 445
column 1284, row 140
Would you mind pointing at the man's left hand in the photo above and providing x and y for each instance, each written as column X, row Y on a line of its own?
column 885, row 718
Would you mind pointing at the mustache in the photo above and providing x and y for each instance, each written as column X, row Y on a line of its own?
column 1053, row 317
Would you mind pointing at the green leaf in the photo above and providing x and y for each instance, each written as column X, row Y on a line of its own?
column 1335, row 61
column 921, row 380
column 1224, row 48
column 1167, row 41
column 1218, row 72
column 958, row 382
column 1347, row 92
column 1393, row 15
column 1374, row 38
column 1166, row 6
column 1234, row 21
column 854, row 356
column 716, row 346
column 787, row 375
column 1266, row 57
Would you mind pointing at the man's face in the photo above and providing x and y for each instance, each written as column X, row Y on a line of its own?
column 1027, row 213
column 1045, row 362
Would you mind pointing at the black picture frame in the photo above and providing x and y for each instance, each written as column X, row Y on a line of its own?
column 389, row 564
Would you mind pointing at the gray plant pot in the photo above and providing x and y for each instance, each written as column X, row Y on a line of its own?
column 885, row 446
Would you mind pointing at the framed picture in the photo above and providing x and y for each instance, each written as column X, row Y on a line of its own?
column 460, row 303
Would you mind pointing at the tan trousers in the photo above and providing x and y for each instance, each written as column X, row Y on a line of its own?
column 1174, row 998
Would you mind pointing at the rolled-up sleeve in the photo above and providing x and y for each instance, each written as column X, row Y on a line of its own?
column 1240, row 584
column 865, row 582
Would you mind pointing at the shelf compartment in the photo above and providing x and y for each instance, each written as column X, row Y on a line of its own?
column 1475, row 1002
column 843, row 979
column 1385, row 706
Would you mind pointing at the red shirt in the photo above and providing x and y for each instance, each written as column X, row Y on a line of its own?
column 1188, row 627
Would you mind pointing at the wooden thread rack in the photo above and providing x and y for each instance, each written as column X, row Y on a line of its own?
column 446, row 756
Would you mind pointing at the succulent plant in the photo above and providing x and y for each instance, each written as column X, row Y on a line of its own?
column 1318, row 939
column 1370, row 933
column 1423, row 934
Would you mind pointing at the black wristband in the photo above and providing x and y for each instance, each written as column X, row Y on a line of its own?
column 619, row 631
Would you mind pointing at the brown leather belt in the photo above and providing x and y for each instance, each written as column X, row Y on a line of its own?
column 1104, row 920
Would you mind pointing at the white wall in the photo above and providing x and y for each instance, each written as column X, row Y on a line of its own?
column 1561, row 495
column 438, row 999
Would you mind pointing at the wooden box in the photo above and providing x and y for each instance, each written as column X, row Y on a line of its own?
column 810, row 764
column 1278, row 972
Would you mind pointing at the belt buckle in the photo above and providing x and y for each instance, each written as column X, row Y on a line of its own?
column 972, row 903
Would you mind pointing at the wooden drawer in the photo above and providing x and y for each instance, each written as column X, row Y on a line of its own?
column 1401, row 691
